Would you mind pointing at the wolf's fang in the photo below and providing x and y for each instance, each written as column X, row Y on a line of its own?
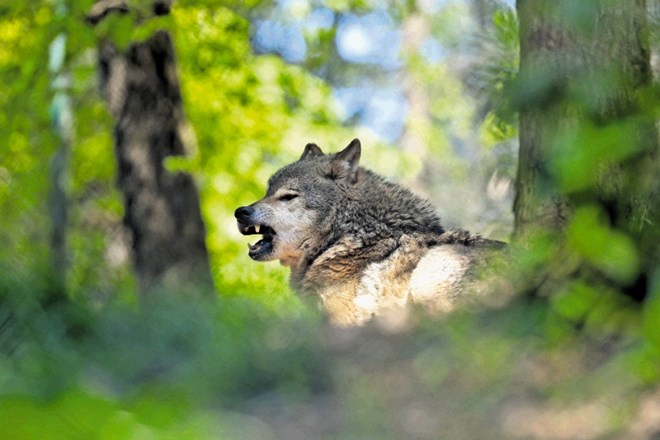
column 256, row 228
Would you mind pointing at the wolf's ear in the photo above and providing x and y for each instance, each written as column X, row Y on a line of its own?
column 348, row 160
column 311, row 150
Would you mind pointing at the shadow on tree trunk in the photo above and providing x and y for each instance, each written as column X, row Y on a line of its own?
column 162, row 209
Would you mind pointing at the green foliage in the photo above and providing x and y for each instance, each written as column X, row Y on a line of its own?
column 579, row 156
column 96, row 364
column 609, row 250
column 177, row 368
column 25, row 129
column 80, row 373
column 248, row 116
column 493, row 76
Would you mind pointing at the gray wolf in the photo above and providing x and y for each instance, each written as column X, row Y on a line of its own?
column 360, row 243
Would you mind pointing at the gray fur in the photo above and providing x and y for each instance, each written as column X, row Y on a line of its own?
column 363, row 244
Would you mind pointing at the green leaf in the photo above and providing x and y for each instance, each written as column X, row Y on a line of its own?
column 609, row 250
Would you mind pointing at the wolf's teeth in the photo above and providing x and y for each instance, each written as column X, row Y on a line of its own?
column 256, row 228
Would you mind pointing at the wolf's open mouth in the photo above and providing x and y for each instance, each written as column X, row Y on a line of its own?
column 263, row 246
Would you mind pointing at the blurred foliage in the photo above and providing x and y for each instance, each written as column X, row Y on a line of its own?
column 25, row 127
column 575, row 360
column 592, row 141
column 180, row 369
column 494, row 72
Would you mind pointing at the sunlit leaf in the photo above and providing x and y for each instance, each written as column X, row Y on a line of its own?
column 608, row 249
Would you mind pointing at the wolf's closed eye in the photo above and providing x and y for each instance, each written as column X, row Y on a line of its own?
column 287, row 197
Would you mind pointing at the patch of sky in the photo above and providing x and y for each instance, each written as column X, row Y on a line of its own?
column 432, row 51
column 386, row 112
column 382, row 110
column 372, row 38
column 350, row 100
column 319, row 18
column 283, row 38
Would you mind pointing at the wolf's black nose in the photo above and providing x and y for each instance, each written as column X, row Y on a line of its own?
column 243, row 213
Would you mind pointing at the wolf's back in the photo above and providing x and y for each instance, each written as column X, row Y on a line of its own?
column 393, row 251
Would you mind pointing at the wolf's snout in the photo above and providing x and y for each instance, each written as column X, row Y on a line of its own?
column 243, row 214
column 263, row 249
column 247, row 225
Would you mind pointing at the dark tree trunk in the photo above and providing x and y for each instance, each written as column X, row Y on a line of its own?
column 587, row 64
column 162, row 208
column 59, row 214
column 563, row 53
column 62, row 119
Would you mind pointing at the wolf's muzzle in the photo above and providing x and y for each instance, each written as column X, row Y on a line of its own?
column 262, row 249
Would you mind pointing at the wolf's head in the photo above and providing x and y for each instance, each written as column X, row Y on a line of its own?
column 296, row 216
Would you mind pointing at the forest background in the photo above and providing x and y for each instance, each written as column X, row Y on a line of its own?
column 92, row 348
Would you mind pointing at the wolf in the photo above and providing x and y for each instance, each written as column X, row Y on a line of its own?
column 360, row 243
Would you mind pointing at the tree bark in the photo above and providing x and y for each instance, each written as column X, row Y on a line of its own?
column 587, row 65
column 566, row 48
column 162, row 208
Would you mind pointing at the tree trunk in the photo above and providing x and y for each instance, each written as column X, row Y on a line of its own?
column 416, row 131
column 62, row 119
column 162, row 208
column 586, row 66
column 566, row 48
